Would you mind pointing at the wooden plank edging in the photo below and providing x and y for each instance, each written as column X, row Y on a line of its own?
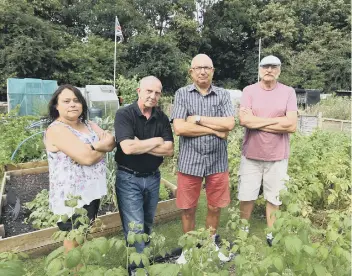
column 2, row 189
column 32, row 241
column 28, row 165
column 36, row 170
column 40, row 241
column 169, row 185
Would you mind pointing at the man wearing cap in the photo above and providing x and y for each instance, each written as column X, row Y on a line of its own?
column 268, row 111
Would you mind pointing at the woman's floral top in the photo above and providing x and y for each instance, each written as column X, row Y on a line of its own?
column 67, row 177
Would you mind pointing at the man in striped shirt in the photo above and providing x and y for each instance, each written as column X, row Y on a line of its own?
column 202, row 116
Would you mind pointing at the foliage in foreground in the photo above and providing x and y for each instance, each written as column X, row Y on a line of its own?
column 42, row 217
column 312, row 231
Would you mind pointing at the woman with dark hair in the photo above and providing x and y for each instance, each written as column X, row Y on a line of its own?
column 76, row 149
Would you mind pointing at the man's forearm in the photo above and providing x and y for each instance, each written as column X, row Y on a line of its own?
column 136, row 146
column 282, row 127
column 214, row 127
column 218, row 123
column 166, row 149
column 257, row 122
column 191, row 130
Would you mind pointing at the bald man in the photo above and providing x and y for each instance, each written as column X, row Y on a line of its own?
column 143, row 137
column 202, row 116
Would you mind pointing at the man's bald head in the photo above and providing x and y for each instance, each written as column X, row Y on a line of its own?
column 149, row 79
column 201, row 60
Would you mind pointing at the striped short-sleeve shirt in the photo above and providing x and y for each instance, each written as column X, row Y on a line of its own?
column 203, row 155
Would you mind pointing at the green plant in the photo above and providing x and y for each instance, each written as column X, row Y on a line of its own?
column 234, row 141
column 110, row 198
column 165, row 103
column 41, row 215
column 157, row 246
column 202, row 259
column 170, row 163
column 10, row 263
column 127, row 88
column 312, row 232
column 13, row 130
column 163, row 193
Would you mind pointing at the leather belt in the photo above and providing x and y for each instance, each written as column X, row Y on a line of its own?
column 136, row 174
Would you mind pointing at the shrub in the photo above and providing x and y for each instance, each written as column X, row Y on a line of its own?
column 13, row 130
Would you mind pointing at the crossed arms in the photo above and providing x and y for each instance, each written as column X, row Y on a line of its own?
column 60, row 138
column 219, row 126
column 285, row 124
column 155, row 146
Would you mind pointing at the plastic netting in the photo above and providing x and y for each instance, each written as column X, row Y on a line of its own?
column 33, row 95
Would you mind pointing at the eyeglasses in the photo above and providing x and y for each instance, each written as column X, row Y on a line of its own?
column 198, row 69
column 267, row 66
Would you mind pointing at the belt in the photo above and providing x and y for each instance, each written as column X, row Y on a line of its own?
column 136, row 174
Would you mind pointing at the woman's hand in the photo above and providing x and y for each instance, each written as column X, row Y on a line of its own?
column 106, row 142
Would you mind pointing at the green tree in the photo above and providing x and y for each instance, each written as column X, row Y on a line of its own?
column 158, row 56
column 28, row 44
column 228, row 40
column 89, row 62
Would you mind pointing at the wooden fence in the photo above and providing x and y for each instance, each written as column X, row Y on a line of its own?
column 308, row 123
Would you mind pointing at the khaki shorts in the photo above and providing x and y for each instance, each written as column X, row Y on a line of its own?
column 252, row 173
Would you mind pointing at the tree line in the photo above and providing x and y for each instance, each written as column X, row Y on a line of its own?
column 72, row 41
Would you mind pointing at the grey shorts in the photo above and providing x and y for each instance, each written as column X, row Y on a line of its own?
column 252, row 173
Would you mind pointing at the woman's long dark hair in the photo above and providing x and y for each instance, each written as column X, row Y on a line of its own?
column 54, row 114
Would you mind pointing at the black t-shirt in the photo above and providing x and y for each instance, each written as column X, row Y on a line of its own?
column 131, row 123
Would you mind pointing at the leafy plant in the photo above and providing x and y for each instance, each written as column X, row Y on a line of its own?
column 201, row 254
column 10, row 263
column 312, row 229
column 13, row 131
column 163, row 193
column 41, row 215
column 127, row 89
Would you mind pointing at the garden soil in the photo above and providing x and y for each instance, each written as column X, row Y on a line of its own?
column 26, row 187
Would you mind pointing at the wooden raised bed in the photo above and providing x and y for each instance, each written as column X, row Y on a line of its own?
column 40, row 242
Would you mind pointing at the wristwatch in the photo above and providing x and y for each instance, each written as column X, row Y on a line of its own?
column 197, row 119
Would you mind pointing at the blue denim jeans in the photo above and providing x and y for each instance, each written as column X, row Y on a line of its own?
column 137, row 199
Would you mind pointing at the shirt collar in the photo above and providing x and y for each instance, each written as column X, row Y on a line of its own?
column 155, row 111
column 212, row 89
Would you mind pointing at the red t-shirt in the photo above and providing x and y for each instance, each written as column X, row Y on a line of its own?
column 261, row 145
